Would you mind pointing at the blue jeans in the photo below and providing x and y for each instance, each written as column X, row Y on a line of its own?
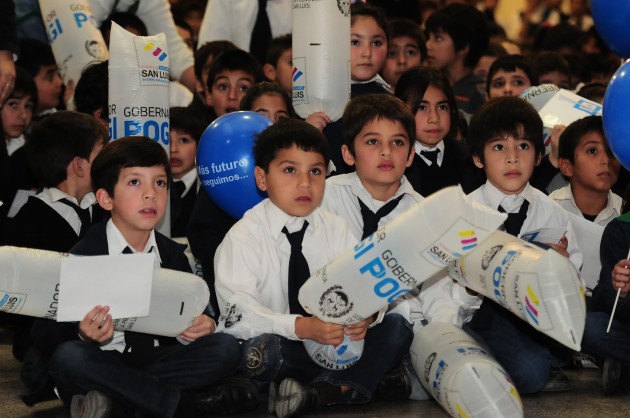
column 601, row 344
column 80, row 366
column 271, row 358
column 522, row 351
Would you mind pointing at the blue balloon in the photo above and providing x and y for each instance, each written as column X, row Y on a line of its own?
column 615, row 114
column 611, row 19
column 225, row 161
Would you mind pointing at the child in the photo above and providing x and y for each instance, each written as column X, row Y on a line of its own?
column 92, row 92
column 278, row 67
column 505, row 138
column 457, row 36
column 105, row 369
column 494, row 51
column 269, row 99
column 186, row 130
column 16, row 114
column 441, row 160
column 509, row 76
column 406, row 49
column 552, row 68
column 230, row 75
column 585, row 158
column 262, row 308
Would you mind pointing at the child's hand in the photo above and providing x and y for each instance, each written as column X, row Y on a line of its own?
column 621, row 277
column 317, row 330
column 68, row 94
column 202, row 325
column 97, row 326
column 357, row 331
column 319, row 120
column 555, row 140
column 561, row 247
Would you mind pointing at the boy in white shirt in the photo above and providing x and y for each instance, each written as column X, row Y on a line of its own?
column 257, row 293
column 505, row 138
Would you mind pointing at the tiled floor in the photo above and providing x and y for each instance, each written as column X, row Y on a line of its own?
column 584, row 400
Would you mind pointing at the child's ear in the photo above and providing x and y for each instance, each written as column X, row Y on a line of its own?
column 104, row 199
column 348, row 158
column 410, row 158
column 259, row 174
column 462, row 53
column 270, row 72
column 78, row 167
column 565, row 166
column 538, row 160
column 477, row 161
column 208, row 97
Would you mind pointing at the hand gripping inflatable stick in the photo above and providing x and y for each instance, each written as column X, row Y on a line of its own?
column 461, row 375
column 539, row 286
column 29, row 285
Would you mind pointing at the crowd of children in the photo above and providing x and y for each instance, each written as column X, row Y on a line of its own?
column 434, row 103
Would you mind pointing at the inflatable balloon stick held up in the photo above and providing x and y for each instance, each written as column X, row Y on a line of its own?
column 614, row 308
column 461, row 375
column 539, row 286
column 29, row 285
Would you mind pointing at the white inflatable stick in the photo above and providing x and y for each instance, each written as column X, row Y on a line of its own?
column 398, row 257
column 461, row 375
column 29, row 285
column 74, row 37
column 540, row 287
column 321, row 57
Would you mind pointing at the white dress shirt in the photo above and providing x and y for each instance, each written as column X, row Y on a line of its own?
column 564, row 197
column 251, row 267
column 439, row 146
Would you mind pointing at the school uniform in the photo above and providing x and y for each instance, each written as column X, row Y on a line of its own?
column 183, row 196
column 256, row 307
column 151, row 380
column 467, row 94
column 564, row 197
column 453, row 166
column 526, row 354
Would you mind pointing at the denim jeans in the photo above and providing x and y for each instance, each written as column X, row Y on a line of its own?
column 271, row 358
column 601, row 344
column 80, row 366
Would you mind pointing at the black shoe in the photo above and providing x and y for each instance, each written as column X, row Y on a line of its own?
column 611, row 376
column 294, row 398
column 228, row 397
column 558, row 382
column 395, row 385
column 273, row 395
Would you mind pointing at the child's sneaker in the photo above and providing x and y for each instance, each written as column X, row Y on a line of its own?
column 93, row 405
column 293, row 399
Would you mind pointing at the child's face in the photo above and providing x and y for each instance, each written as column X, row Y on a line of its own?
column 555, row 77
column 403, row 53
column 284, row 70
column 227, row 90
column 433, row 118
column 381, row 155
column 183, row 152
column 483, row 66
column 139, row 200
column 295, row 180
column 16, row 115
column 505, row 83
column 272, row 106
column 509, row 163
column 440, row 50
column 595, row 168
column 368, row 48
column 49, row 85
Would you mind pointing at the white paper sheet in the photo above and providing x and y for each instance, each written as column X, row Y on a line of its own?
column 122, row 282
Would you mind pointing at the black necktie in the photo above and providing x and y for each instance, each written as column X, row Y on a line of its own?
column 371, row 219
column 514, row 221
column 298, row 269
column 138, row 350
column 261, row 34
column 431, row 156
column 179, row 187
column 83, row 214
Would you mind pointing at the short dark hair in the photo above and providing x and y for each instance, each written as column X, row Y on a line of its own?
column 187, row 120
column 505, row 116
column 465, row 25
column 367, row 10
column 57, row 139
column 24, row 86
column 124, row 20
column 570, row 138
column 284, row 135
column 266, row 88
column 234, row 60
column 34, row 54
column 594, row 91
column 92, row 90
column 407, row 27
column 370, row 107
column 547, row 61
column 212, row 48
column 414, row 83
column 276, row 48
column 509, row 64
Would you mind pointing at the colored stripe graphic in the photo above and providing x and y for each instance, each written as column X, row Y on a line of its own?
column 157, row 52
column 529, row 307
column 469, row 240
column 296, row 73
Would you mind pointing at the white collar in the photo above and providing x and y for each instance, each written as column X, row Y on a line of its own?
column 494, row 197
column 56, row 195
column 377, row 79
column 188, row 179
column 278, row 219
column 117, row 243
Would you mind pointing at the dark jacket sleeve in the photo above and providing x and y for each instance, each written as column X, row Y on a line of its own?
column 8, row 36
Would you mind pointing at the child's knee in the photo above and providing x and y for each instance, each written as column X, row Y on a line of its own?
column 262, row 357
